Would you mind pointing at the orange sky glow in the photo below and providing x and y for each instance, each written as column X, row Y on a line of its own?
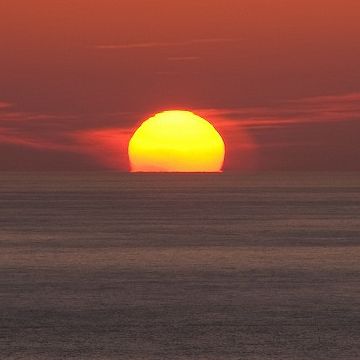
column 279, row 79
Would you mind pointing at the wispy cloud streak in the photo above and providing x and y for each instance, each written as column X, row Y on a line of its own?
column 183, row 58
column 94, row 138
column 302, row 111
column 147, row 45
column 103, row 138
column 4, row 105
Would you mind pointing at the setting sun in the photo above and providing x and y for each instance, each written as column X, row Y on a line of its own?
column 176, row 141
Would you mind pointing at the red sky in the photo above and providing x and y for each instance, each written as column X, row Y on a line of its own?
column 279, row 78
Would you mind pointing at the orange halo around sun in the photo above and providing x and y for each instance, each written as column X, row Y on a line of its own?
column 176, row 141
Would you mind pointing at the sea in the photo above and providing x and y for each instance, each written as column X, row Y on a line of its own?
column 230, row 266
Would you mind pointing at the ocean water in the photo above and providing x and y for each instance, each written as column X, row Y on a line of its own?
column 179, row 266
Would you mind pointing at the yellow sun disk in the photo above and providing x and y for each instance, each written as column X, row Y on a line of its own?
column 176, row 141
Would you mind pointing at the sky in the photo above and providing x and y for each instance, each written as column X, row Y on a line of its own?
column 279, row 79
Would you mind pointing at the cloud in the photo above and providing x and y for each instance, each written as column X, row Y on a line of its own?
column 149, row 45
column 321, row 109
column 309, row 133
column 100, row 138
column 108, row 146
column 4, row 105
column 36, row 130
column 17, row 157
column 183, row 58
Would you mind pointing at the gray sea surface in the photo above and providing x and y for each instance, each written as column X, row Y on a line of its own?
column 103, row 266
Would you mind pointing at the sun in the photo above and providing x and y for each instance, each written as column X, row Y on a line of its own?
column 176, row 141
